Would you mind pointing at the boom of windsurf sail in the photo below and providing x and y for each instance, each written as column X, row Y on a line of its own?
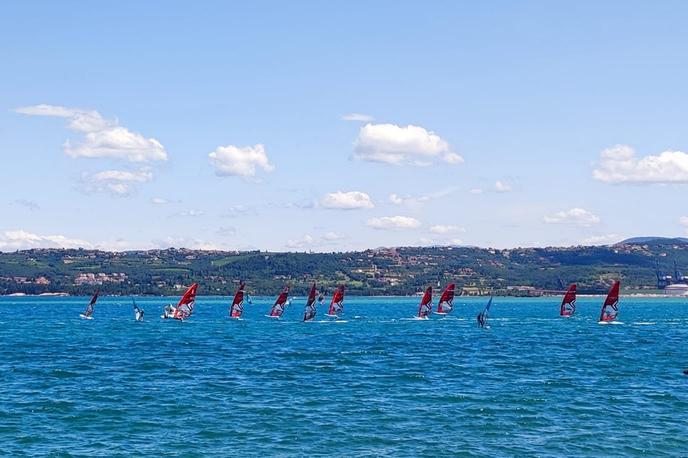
column 310, row 310
column 482, row 316
column 89, row 308
column 568, row 303
column 280, row 303
column 337, row 303
column 185, row 307
column 237, row 307
column 446, row 303
column 610, row 308
column 425, row 306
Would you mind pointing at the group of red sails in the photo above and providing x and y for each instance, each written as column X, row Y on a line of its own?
column 185, row 307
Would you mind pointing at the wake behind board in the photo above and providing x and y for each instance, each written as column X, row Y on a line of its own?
column 85, row 317
column 273, row 317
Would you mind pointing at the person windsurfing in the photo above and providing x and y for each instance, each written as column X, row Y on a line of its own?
column 425, row 306
column 482, row 316
column 138, row 312
column 185, row 307
column 568, row 303
column 280, row 304
column 610, row 308
column 88, row 313
column 310, row 311
column 446, row 302
column 337, row 303
column 237, row 307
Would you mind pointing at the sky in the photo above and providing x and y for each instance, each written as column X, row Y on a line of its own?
column 334, row 126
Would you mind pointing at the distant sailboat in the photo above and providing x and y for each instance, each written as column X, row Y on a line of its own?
column 568, row 303
column 88, row 313
column 310, row 310
column 237, row 307
column 337, row 303
column 446, row 303
column 185, row 307
column 610, row 308
column 425, row 306
column 482, row 316
column 280, row 304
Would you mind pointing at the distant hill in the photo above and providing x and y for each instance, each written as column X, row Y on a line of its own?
column 655, row 240
column 394, row 271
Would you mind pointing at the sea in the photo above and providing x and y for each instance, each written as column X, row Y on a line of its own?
column 374, row 383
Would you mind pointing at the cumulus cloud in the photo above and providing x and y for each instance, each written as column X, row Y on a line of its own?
column 159, row 201
column 23, row 240
column 233, row 160
column 29, row 204
column 620, row 164
column 393, row 222
column 445, row 229
column 309, row 241
column 102, row 138
column 190, row 213
column 118, row 182
column 357, row 117
column 350, row 200
column 501, row 186
column 392, row 144
column 607, row 239
column 574, row 216
column 306, row 240
column 416, row 201
column 476, row 191
column 440, row 242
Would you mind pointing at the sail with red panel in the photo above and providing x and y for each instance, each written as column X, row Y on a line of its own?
column 337, row 303
column 446, row 303
column 568, row 303
column 280, row 304
column 610, row 308
column 310, row 310
column 88, row 313
column 425, row 306
column 237, row 307
column 185, row 307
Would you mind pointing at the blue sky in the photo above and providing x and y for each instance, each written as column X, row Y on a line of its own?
column 341, row 125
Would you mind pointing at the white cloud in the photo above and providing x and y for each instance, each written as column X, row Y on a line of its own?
column 332, row 237
column 233, row 160
column 416, row 201
column 440, row 242
column 393, row 222
column 346, row 200
column 103, row 138
column 620, row 164
column 190, row 213
column 684, row 222
column 501, row 186
column 119, row 182
column 606, row 239
column 306, row 240
column 159, row 201
column 476, row 191
column 445, row 229
column 574, row 216
column 23, row 240
column 29, row 204
column 357, row 117
column 392, row 144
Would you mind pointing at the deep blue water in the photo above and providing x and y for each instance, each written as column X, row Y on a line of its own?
column 375, row 384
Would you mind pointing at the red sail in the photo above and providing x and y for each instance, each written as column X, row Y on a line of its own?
column 237, row 307
column 311, row 296
column 280, row 303
column 337, row 304
column 610, row 308
column 446, row 303
column 568, row 303
column 425, row 307
column 186, row 304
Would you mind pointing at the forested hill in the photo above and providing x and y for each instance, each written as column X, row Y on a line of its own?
column 395, row 271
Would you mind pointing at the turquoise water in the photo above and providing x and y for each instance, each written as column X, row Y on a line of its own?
column 376, row 384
